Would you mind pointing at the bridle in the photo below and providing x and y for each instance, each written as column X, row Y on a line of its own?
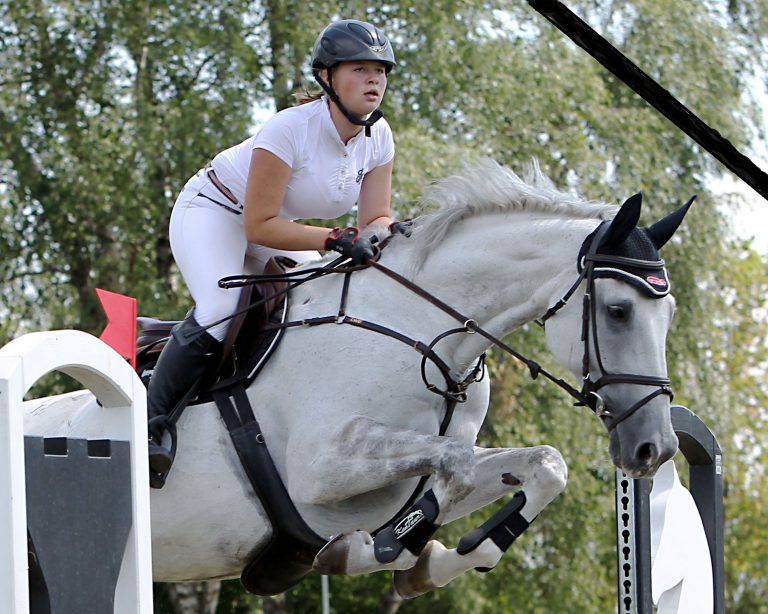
column 588, row 395
column 589, row 391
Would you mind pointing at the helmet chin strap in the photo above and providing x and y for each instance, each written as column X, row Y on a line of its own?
column 355, row 119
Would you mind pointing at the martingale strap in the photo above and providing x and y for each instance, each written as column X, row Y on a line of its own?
column 454, row 391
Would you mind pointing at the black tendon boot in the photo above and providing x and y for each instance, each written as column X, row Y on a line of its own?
column 178, row 370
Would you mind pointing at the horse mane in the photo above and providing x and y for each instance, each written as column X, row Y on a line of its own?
column 488, row 187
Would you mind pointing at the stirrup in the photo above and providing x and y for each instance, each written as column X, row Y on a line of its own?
column 157, row 427
column 160, row 459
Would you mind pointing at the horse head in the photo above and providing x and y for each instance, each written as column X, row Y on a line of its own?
column 624, row 315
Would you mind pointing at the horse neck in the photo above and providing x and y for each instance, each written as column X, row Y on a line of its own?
column 501, row 270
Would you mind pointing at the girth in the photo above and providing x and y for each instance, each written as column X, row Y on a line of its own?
column 292, row 547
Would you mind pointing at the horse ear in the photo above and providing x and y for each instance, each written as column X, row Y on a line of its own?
column 624, row 222
column 662, row 231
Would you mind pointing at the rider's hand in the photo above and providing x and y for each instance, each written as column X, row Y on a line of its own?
column 404, row 227
column 350, row 244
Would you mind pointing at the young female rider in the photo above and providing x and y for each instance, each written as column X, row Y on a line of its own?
column 314, row 160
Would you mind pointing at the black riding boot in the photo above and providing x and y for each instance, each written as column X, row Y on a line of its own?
column 178, row 370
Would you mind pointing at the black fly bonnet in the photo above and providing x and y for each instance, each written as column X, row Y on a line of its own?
column 648, row 273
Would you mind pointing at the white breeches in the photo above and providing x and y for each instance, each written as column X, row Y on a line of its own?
column 208, row 242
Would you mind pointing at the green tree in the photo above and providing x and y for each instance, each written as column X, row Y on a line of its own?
column 105, row 109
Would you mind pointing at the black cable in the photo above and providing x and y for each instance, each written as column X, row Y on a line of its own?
column 654, row 94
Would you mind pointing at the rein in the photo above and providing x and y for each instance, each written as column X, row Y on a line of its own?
column 470, row 326
column 455, row 391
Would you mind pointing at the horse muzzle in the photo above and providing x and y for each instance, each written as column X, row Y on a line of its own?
column 640, row 442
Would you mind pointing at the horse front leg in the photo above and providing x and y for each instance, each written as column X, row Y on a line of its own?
column 365, row 455
column 537, row 474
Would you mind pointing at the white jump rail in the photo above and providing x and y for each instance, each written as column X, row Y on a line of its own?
column 119, row 390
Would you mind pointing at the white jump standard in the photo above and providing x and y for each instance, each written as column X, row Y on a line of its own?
column 91, row 471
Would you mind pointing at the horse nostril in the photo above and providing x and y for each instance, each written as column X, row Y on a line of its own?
column 647, row 454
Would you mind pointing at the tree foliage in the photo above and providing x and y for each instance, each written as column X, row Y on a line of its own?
column 107, row 107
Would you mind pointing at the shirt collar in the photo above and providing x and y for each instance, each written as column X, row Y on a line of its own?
column 331, row 127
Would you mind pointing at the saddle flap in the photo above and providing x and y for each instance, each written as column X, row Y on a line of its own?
column 245, row 338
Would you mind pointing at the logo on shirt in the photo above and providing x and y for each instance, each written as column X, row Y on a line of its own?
column 359, row 177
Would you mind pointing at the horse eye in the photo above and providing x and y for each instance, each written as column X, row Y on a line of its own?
column 618, row 312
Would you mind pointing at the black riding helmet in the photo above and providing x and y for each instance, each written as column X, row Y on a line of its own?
column 349, row 40
column 345, row 41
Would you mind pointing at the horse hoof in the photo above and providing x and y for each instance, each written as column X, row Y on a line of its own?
column 333, row 558
column 415, row 581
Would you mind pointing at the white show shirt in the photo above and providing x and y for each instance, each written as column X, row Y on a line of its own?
column 326, row 174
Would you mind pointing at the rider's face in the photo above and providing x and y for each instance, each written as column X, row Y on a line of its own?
column 360, row 85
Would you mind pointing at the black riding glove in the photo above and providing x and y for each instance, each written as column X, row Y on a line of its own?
column 350, row 244
column 404, row 227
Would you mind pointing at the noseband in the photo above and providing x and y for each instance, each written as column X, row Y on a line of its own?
column 590, row 387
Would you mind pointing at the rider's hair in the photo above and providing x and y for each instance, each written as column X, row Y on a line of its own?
column 304, row 95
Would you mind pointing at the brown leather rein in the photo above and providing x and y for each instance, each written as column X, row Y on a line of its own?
column 455, row 391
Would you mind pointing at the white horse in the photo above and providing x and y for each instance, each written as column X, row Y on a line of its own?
column 352, row 427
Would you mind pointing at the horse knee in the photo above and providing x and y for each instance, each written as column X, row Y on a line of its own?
column 455, row 473
column 550, row 473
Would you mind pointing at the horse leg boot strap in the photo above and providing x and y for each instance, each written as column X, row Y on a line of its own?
column 178, row 370
column 411, row 531
column 503, row 528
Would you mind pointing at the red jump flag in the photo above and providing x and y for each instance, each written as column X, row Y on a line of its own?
column 120, row 331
